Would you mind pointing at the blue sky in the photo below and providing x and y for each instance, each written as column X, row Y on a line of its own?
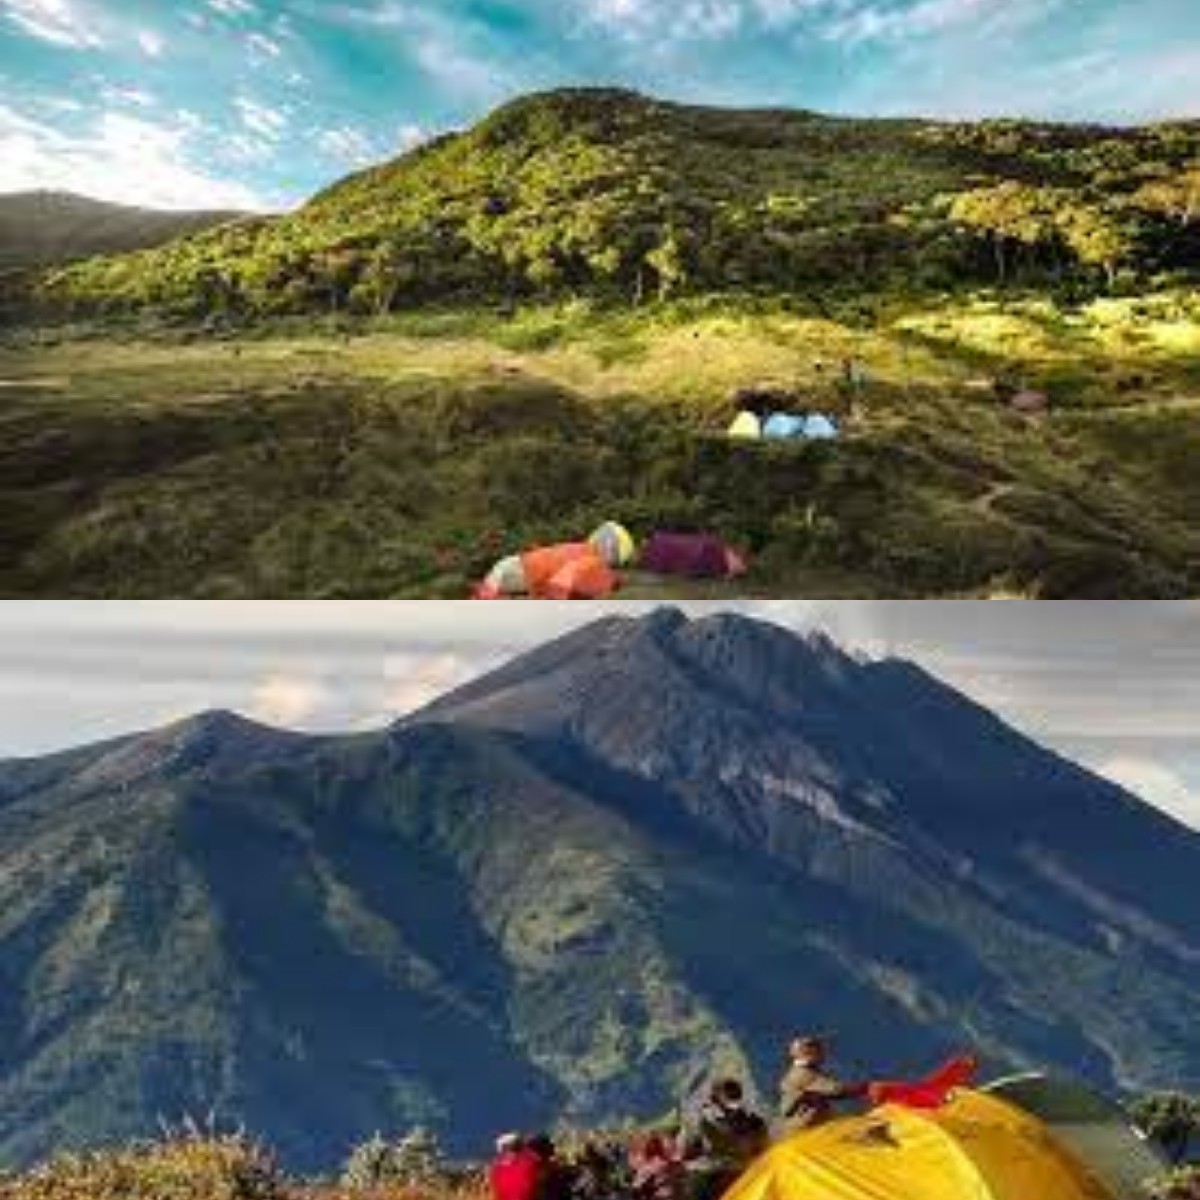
column 257, row 103
column 1115, row 686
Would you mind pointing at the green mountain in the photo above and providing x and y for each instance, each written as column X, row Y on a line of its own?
column 40, row 229
column 646, row 851
column 613, row 194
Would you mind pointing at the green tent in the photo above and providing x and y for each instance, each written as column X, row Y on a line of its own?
column 1096, row 1129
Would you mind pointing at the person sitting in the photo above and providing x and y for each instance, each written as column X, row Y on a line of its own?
column 728, row 1136
column 808, row 1093
column 555, row 1177
column 597, row 1173
column 516, row 1172
column 658, row 1169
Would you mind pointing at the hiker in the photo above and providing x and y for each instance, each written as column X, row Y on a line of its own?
column 854, row 375
column 808, row 1092
column 555, row 1177
column 597, row 1173
column 658, row 1169
column 728, row 1136
column 517, row 1171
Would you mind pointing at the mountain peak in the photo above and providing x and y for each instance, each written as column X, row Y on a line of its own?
column 221, row 722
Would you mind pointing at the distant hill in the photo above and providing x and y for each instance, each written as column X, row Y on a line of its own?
column 610, row 193
column 40, row 229
column 569, row 889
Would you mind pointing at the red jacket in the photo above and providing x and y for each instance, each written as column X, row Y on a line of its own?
column 516, row 1175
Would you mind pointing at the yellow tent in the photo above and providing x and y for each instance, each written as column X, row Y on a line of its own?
column 746, row 425
column 614, row 543
column 973, row 1148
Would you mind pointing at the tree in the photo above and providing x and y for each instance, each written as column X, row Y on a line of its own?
column 1176, row 197
column 669, row 262
column 1096, row 239
column 1172, row 1119
column 415, row 1158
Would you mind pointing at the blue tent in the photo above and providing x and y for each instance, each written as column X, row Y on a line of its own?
column 820, row 428
column 784, row 427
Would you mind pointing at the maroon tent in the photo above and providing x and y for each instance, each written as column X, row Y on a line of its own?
column 696, row 555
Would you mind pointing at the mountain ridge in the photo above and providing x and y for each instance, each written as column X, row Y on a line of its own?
column 565, row 904
column 612, row 194
column 47, row 227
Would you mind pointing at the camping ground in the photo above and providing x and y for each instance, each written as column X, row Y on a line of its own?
column 399, row 456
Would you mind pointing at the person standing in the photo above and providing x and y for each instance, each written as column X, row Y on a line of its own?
column 808, row 1092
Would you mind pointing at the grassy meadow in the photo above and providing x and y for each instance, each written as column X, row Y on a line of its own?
column 400, row 455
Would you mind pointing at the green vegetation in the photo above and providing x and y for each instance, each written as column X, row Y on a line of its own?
column 613, row 195
column 1172, row 1119
column 415, row 1159
column 402, row 457
column 519, row 331
column 184, row 1166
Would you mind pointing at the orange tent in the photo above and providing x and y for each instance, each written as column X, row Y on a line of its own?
column 572, row 571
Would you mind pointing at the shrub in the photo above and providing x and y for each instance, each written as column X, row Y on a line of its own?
column 185, row 1166
column 1181, row 1184
column 413, row 1160
column 1172, row 1119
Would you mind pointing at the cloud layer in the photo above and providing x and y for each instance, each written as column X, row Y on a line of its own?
column 1116, row 686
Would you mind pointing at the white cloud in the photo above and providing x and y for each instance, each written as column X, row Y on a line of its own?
column 261, row 119
column 151, row 43
column 635, row 19
column 58, row 21
column 1156, row 784
column 411, row 136
column 984, row 19
column 441, row 47
column 288, row 700
column 120, row 158
column 414, row 681
column 232, row 8
column 115, row 94
column 262, row 48
column 347, row 146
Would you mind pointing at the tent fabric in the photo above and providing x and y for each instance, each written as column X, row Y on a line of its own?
column 1095, row 1128
column 821, row 428
column 746, row 425
column 974, row 1147
column 544, row 562
column 784, row 427
column 694, row 555
column 614, row 543
column 587, row 578
column 930, row 1092
column 507, row 577
column 571, row 571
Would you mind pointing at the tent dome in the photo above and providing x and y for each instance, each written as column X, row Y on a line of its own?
column 974, row 1147
column 507, row 577
column 782, row 427
column 746, row 425
column 614, row 543
column 1099, row 1131
column 820, row 428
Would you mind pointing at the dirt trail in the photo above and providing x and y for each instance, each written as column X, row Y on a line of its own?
column 35, row 384
column 985, row 505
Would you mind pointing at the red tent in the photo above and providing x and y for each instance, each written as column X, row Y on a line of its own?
column 695, row 555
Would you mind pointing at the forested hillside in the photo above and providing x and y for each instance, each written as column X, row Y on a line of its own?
column 611, row 194
column 39, row 229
